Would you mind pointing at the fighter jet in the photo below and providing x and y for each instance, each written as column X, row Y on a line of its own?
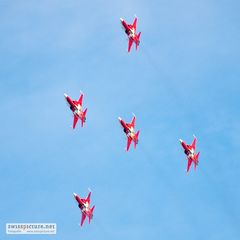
column 84, row 205
column 189, row 150
column 130, row 30
column 77, row 109
column 128, row 128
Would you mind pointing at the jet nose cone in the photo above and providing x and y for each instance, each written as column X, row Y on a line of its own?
column 180, row 140
column 74, row 194
column 65, row 95
column 119, row 119
column 121, row 19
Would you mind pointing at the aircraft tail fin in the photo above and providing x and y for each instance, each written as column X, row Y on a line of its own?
column 84, row 116
column 196, row 160
column 136, row 139
column 91, row 215
column 92, row 209
column 138, row 40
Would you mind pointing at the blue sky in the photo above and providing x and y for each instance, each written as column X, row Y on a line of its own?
column 184, row 80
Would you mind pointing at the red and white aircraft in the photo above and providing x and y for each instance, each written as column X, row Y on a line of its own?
column 189, row 150
column 128, row 128
column 130, row 30
column 77, row 109
column 84, row 205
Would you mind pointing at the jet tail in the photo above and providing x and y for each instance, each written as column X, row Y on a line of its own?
column 197, row 155
column 138, row 40
column 136, row 139
column 196, row 160
column 84, row 116
column 92, row 209
column 91, row 216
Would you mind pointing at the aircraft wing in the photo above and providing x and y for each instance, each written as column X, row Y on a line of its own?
column 135, row 23
column 80, row 99
column 83, row 219
column 189, row 164
column 133, row 122
column 88, row 198
column 184, row 145
column 130, row 42
column 193, row 145
column 75, row 120
column 129, row 143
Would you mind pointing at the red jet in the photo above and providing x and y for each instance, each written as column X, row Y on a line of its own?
column 189, row 150
column 128, row 128
column 84, row 205
column 130, row 30
column 76, row 107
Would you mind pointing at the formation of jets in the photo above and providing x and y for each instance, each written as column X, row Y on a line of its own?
column 128, row 128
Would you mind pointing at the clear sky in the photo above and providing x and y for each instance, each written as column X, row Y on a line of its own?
column 183, row 80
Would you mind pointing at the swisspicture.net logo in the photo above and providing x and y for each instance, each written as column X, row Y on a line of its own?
column 31, row 228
